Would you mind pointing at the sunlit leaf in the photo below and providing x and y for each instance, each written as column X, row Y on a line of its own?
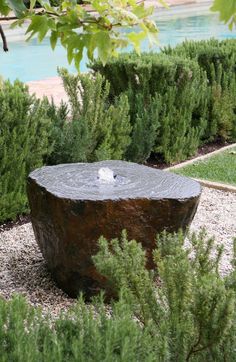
column 103, row 43
column 136, row 39
column 227, row 10
column 79, row 29
column 39, row 25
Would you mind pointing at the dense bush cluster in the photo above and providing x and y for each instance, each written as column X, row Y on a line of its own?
column 181, row 311
column 96, row 129
column 167, row 96
column 167, row 104
column 192, row 87
column 24, row 127
column 218, row 60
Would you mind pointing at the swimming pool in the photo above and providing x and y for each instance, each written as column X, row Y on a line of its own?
column 33, row 61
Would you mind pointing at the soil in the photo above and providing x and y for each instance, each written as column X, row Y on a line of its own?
column 9, row 224
column 156, row 160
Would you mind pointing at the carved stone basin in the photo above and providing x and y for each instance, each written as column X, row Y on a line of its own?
column 72, row 205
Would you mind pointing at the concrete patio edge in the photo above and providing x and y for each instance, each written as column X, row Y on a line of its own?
column 216, row 185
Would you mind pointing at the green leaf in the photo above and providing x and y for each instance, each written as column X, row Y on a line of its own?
column 4, row 9
column 142, row 12
column 72, row 43
column 136, row 39
column 77, row 58
column 17, row 6
column 51, row 24
column 227, row 11
column 104, row 45
column 44, row 2
column 79, row 29
column 39, row 24
column 53, row 39
column 32, row 4
column 16, row 23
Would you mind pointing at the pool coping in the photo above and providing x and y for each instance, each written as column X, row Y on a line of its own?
column 207, row 183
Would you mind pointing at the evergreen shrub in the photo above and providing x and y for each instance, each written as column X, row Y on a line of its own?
column 96, row 129
column 24, row 129
column 218, row 59
column 82, row 334
column 184, row 303
column 181, row 311
column 144, row 115
column 174, row 88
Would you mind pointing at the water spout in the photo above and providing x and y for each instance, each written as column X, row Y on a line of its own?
column 106, row 175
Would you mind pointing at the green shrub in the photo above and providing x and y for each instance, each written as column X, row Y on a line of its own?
column 218, row 60
column 24, row 128
column 96, row 130
column 181, row 311
column 83, row 334
column 174, row 89
column 185, row 305
column 146, row 124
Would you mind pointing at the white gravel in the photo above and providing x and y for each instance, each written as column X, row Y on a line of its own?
column 23, row 269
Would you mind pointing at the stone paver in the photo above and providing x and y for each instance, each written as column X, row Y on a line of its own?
column 50, row 87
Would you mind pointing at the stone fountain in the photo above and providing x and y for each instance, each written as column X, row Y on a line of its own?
column 72, row 205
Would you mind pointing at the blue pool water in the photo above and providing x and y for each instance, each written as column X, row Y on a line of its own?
column 33, row 61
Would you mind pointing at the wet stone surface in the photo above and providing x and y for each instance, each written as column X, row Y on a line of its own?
column 80, row 181
column 72, row 205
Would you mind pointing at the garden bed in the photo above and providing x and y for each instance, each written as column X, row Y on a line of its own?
column 156, row 161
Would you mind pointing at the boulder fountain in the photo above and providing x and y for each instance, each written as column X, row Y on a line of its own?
column 72, row 205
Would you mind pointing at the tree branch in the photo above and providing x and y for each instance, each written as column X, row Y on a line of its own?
column 4, row 40
column 6, row 18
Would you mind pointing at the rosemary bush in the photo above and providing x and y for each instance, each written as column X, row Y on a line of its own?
column 185, row 305
column 82, row 334
column 218, row 59
column 24, row 132
column 181, row 311
column 96, row 130
column 171, row 92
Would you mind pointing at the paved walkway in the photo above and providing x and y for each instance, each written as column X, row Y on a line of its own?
column 52, row 87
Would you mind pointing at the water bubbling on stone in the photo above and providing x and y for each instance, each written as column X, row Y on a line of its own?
column 113, row 180
column 105, row 174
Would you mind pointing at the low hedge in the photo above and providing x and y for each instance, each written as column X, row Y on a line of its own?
column 194, row 85
column 175, row 88
column 218, row 60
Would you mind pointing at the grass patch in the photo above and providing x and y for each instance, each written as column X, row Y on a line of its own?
column 219, row 168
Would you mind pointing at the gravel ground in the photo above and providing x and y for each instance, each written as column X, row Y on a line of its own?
column 23, row 270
